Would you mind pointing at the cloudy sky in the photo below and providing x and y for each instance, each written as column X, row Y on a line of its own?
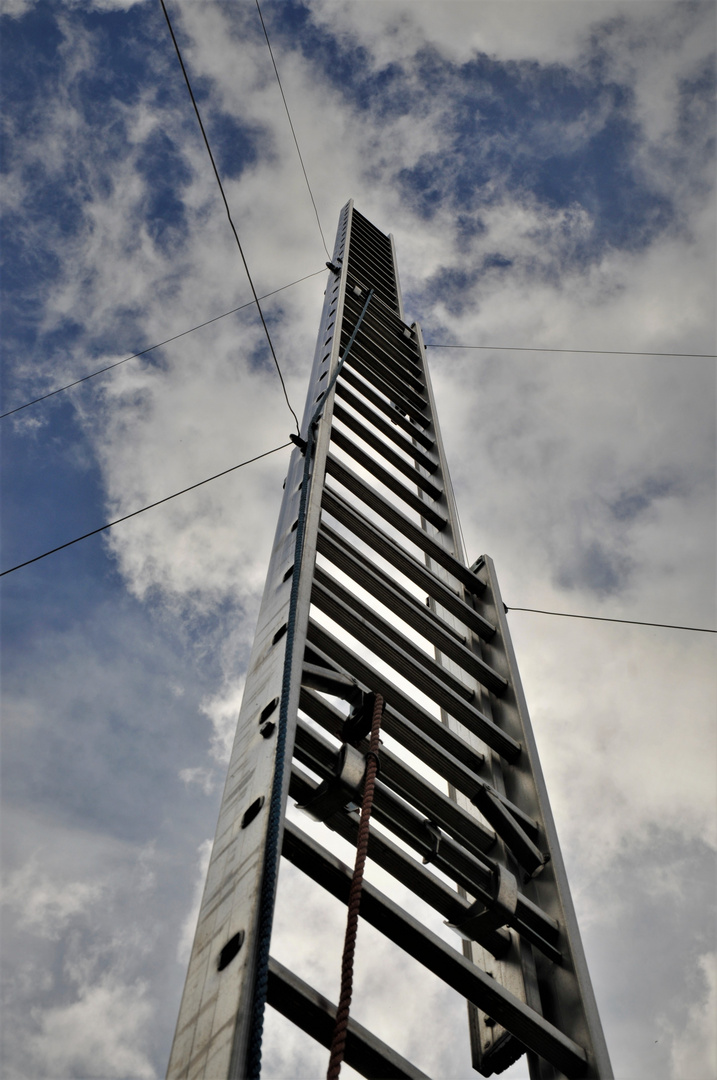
column 547, row 170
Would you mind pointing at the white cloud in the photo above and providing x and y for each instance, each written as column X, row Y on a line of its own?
column 694, row 1045
column 100, row 1034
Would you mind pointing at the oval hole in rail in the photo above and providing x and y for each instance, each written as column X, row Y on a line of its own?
column 230, row 950
column 251, row 812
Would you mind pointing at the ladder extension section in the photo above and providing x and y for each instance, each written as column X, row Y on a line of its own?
column 368, row 592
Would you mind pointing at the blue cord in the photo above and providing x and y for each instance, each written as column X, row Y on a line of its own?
column 271, row 863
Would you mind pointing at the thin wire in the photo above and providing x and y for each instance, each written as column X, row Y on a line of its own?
column 604, row 618
column 159, row 344
column 594, row 352
column 151, row 506
column 229, row 216
column 296, row 141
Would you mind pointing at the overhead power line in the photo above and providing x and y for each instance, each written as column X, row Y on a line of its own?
column 293, row 132
column 604, row 618
column 594, row 352
column 143, row 352
column 150, row 506
column 229, row 216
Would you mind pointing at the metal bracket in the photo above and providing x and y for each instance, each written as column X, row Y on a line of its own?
column 357, row 725
column 340, row 790
column 480, row 919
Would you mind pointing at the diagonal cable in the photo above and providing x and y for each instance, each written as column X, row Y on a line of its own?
column 291, row 125
column 229, row 216
column 93, row 532
column 593, row 352
column 604, row 618
column 150, row 348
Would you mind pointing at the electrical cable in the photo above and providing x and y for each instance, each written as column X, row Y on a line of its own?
column 159, row 344
column 594, row 352
column 150, row 506
column 229, row 216
column 296, row 141
column 604, row 618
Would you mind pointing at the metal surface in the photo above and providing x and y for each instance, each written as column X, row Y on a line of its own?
column 385, row 603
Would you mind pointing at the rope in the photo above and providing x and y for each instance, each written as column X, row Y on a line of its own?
column 338, row 1043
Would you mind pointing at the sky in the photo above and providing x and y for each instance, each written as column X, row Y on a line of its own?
column 547, row 171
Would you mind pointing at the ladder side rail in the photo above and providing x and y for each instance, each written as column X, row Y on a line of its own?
column 213, row 1026
column 572, row 999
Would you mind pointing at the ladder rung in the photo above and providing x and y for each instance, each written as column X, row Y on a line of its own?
column 418, row 573
column 392, row 392
column 430, row 740
column 414, row 533
column 355, row 617
column 371, row 438
column 474, row 871
column 391, row 373
column 396, row 354
column 366, row 461
column 345, row 605
column 316, row 1015
column 403, row 604
column 393, row 330
column 396, row 417
column 402, row 780
column 323, row 640
column 389, row 431
column 449, row 965
column 383, row 851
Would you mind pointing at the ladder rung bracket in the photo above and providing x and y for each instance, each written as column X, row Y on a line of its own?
column 390, row 857
column 405, row 563
column 530, row 921
column 474, row 984
column 320, row 637
column 441, row 756
column 398, row 418
column 474, row 873
column 404, row 732
column 403, row 524
column 316, row 1015
column 329, row 682
column 388, row 430
column 419, row 616
column 422, row 796
column 510, row 830
column 366, row 461
column 375, row 632
column 372, row 439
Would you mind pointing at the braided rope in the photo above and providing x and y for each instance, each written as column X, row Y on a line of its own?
column 338, row 1042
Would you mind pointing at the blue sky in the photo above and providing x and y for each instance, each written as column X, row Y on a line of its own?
column 547, row 170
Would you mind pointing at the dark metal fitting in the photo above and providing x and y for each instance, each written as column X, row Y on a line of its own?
column 341, row 789
column 333, row 268
column 268, row 729
column 298, row 441
column 436, row 837
column 357, row 724
column 480, row 919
